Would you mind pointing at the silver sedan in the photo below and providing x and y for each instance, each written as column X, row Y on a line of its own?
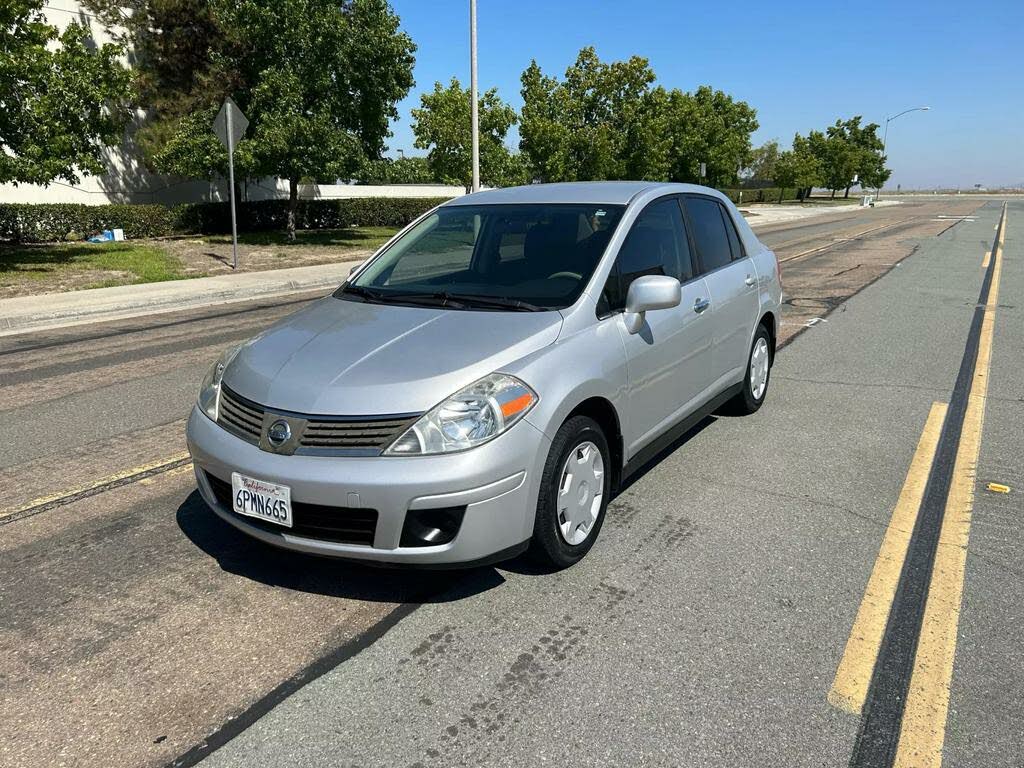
column 483, row 384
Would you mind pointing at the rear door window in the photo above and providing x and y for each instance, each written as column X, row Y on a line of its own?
column 709, row 233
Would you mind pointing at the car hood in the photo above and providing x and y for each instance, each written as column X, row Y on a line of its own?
column 349, row 358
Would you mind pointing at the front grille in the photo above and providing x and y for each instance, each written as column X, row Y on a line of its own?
column 373, row 434
column 344, row 525
column 333, row 435
column 241, row 416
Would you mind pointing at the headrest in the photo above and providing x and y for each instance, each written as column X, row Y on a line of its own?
column 549, row 240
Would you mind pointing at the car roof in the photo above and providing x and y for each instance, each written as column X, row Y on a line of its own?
column 600, row 192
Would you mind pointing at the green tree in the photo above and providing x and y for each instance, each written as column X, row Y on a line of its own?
column 835, row 157
column 192, row 149
column 404, row 170
column 797, row 167
column 62, row 98
column 848, row 150
column 442, row 126
column 177, row 62
column 318, row 80
column 710, row 127
column 602, row 121
column 868, row 148
column 510, row 170
column 761, row 165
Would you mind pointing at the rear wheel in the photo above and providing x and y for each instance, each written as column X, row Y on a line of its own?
column 755, row 382
column 574, row 492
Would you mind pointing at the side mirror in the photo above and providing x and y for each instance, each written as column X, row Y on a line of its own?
column 647, row 293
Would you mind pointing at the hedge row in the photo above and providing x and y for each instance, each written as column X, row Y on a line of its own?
column 263, row 215
column 28, row 223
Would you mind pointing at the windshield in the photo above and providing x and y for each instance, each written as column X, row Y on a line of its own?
column 499, row 257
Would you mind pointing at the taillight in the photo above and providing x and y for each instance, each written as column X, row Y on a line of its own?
column 778, row 272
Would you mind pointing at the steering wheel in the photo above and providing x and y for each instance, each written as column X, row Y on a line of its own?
column 573, row 275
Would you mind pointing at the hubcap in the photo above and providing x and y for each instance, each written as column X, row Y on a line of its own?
column 759, row 368
column 580, row 490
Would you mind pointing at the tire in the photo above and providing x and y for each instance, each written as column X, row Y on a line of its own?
column 749, row 400
column 558, row 541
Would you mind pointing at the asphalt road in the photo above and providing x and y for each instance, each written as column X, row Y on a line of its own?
column 706, row 627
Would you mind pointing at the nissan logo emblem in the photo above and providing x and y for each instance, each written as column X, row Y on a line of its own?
column 279, row 433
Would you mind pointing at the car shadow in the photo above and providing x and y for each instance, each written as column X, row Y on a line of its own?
column 252, row 559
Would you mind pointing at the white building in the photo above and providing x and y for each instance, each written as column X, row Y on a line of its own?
column 128, row 181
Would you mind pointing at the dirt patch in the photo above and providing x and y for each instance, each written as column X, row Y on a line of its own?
column 200, row 257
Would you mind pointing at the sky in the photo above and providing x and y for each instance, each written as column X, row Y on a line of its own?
column 801, row 65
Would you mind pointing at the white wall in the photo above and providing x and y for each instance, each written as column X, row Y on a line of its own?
column 142, row 187
column 278, row 188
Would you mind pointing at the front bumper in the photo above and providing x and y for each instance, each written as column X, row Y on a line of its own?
column 496, row 482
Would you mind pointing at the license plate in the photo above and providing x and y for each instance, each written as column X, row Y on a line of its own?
column 261, row 499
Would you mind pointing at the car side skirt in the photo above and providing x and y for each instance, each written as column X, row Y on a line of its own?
column 680, row 428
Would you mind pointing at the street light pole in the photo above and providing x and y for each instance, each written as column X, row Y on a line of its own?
column 885, row 135
column 474, row 107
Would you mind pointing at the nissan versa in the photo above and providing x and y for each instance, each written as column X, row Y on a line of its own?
column 483, row 383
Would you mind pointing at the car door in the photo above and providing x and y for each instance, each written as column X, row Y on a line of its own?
column 732, row 284
column 668, row 362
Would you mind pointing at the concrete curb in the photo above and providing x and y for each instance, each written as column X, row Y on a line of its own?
column 59, row 310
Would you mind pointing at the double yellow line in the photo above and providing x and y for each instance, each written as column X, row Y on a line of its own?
column 923, row 727
column 136, row 474
column 838, row 241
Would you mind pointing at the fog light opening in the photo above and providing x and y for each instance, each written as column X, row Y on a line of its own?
column 431, row 527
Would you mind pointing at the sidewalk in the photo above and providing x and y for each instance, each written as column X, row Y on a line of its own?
column 765, row 214
column 57, row 310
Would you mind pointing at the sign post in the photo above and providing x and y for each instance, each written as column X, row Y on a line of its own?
column 230, row 125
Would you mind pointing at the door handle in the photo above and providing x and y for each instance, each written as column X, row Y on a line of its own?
column 700, row 305
column 750, row 280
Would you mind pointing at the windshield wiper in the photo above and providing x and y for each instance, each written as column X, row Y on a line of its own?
column 441, row 299
column 436, row 299
column 364, row 293
column 496, row 301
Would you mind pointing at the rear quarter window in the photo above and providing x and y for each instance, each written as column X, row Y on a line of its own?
column 734, row 238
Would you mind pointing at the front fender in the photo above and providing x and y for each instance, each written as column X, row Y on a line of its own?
column 586, row 364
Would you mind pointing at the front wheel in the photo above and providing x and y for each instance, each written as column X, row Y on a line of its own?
column 574, row 492
column 755, row 382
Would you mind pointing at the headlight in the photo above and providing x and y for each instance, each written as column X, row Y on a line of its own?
column 209, row 392
column 470, row 417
